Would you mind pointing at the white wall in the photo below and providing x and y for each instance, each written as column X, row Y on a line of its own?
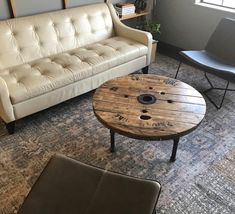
column 29, row 7
column 4, row 11
column 26, row 7
column 186, row 25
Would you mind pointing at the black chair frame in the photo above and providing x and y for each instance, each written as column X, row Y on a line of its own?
column 212, row 87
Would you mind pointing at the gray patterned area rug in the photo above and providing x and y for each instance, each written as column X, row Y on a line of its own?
column 201, row 180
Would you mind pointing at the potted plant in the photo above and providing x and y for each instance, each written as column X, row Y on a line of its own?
column 150, row 26
column 154, row 29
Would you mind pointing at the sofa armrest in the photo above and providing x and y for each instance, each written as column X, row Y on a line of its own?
column 6, row 108
column 131, row 33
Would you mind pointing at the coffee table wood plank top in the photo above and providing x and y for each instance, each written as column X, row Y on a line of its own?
column 181, row 105
column 185, row 117
column 166, row 96
column 149, row 107
column 156, row 128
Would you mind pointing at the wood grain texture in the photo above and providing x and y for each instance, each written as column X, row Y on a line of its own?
column 134, row 15
column 66, row 3
column 178, row 110
column 12, row 7
column 154, row 51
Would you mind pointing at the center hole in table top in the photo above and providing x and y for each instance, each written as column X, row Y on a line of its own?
column 146, row 99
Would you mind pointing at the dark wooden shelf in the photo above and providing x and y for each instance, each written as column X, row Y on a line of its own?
column 134, row 15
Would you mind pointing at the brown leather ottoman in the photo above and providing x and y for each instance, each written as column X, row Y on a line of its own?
column 67, row 186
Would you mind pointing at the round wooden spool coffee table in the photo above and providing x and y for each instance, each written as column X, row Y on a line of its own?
column 149, row 107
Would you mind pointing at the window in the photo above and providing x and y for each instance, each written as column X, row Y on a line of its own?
column 222, row 3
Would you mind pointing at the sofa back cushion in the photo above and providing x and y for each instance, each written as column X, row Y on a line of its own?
column 28, row 38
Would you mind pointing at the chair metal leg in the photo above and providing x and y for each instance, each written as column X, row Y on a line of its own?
column 212, row 87
column 178, row 70
column 208, row 80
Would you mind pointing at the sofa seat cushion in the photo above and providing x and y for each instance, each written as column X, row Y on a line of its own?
column 44, row 75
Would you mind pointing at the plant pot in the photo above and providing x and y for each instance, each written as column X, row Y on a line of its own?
column 154, row 51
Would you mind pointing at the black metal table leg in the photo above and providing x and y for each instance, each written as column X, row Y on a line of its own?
column 174, row 150
column 178, row 70
column 112, row 141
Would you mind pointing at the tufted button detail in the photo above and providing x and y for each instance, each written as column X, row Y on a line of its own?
column 65, row 65
column 72, row 21
column 19, row 49
column 33, row 28
column 33, row 77
column 13, row 33
column 43, row 72
column 18, row 81
column 40, row 43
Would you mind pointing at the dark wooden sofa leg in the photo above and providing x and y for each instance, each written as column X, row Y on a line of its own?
column 10, row 127
column 145, row 70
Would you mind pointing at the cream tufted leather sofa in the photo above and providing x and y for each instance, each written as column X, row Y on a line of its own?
column 49, row 58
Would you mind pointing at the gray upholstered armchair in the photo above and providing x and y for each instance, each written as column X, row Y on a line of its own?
column 218, row 58
column 67, row 186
